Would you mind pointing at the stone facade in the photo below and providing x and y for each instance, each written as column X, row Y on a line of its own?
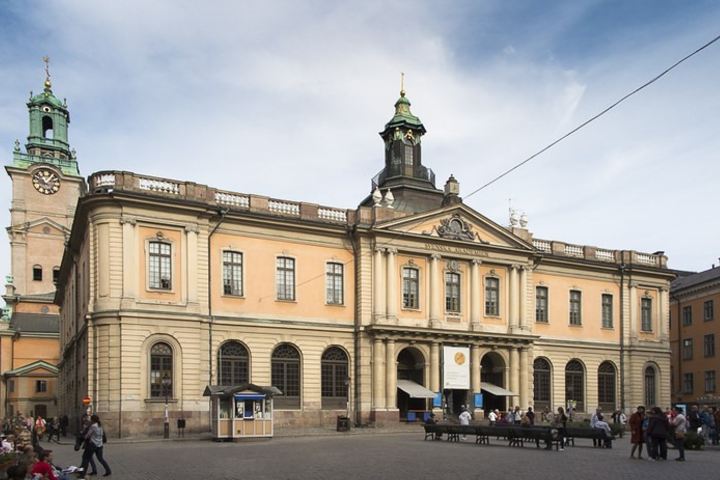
column 168, row 279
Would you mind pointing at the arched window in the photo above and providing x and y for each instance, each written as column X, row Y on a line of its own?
column 161, row 367
column 334, row 377
column 286, row 376
column 541, row 384
column 234, row 365
column 47, row 127
column 606, row 386
column 650, row 387
column 575, row 384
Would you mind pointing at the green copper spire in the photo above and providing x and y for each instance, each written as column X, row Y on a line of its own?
column 48, row 138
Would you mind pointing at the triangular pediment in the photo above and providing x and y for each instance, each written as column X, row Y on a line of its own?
column 457, row 222
column 37, row 368
column 47, row 226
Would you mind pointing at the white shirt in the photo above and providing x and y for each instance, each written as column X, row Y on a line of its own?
column 680, row 423
column 465, row 418
column 492, row 416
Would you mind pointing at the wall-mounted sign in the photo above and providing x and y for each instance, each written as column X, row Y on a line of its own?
column 456, row 371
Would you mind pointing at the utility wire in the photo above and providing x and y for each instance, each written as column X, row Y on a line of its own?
column 546, row 148
column 595, row 117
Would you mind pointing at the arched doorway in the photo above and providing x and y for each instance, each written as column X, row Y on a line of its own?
column 493, row 372
column 411, row 367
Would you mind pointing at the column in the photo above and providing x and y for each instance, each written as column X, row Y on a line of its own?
column 514, row 373
column 475, row 368
column 435, row 366
column 434, row 290
column 378, row 285
column 633, row 310
column 103, row 259
column 663, row 311
column 513, row 298
column 522, row 300
column 524, row 377
column 475, row 299
column 392, row 297
column 130, row 262
column 390, row 375
column 191, row 232
column 378, row 376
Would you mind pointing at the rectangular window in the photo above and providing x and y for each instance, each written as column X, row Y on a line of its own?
column 687, row 349
column 334, row 283
column 40, row 386
column 575, row 307
column 607, row 311
column 411, row 288
column 409, row 155
column 687, row 315
column 492, row 294
column 541, row 304
column 646, row 314
column 56, row 275
column 708, row 310
column 688, row 381
column 709, row 345
column 285, row 278
column 709, row 380
column 452, row 292
column 160, row 266
column 232, row 273
column 37, row 273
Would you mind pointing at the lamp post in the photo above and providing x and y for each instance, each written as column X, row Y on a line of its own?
column 166, row 382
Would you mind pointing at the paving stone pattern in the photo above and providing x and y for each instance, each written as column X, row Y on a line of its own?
column 384, row 456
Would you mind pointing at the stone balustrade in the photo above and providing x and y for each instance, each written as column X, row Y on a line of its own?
column 628, row 257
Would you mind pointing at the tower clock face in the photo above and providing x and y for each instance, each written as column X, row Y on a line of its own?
column 46, row 181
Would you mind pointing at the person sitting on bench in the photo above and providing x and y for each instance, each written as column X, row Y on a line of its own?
column 603, row 426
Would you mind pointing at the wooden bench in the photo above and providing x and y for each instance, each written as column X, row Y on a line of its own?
column 571, row 433
column 515, row 435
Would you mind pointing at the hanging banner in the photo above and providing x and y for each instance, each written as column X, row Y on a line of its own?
column 456, row 370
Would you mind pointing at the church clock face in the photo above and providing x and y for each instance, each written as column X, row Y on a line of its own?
column 46, row 181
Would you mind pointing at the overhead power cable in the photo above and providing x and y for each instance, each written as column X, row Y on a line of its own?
column 595, row 117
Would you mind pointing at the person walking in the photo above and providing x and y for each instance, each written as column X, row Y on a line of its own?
column 680, row 424
column 95, row 437
column 492, row 417
column 636, row 431
column 464, row 418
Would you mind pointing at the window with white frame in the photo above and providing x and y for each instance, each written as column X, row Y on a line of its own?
column 607, row 311
column 411, row 288
column 232, row 273
column 161, row 368
column 452, row 292
column 285, row 278
column 334, row 283
column 492, row 296
column 541, row 304
column 646, row 314
column 160, row 265
column 575, row 307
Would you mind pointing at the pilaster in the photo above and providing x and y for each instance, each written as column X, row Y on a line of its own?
column 390, row 375
column 434, row 290
column 379, row 284
column 514, row 372
column 475, row 299
column 524, row 375
column 392, row 298
column 435, row 366
column 378, row 391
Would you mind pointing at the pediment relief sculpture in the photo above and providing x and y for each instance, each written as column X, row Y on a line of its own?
column 455, row 228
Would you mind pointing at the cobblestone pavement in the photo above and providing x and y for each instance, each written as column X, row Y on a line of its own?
column 384, row 456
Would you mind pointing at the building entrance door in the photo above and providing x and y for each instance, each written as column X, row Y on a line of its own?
column 493, row 371
column 410, row 366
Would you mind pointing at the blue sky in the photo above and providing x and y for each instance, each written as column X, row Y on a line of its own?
column 285, row 99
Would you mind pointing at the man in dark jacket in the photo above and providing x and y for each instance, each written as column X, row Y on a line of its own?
column 658, row 429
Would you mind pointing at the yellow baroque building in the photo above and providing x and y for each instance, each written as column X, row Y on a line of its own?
column 409, row 303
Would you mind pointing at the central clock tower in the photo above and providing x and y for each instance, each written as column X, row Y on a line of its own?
column 46, row 185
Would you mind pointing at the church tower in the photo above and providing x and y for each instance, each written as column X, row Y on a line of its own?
column 411, row 184
column 46, row 185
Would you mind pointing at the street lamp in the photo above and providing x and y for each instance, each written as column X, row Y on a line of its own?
column 166, row 382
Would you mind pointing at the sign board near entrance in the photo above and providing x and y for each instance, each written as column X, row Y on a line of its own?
column 456, row 371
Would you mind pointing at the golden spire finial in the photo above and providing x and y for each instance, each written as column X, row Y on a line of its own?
column 402, row 84
column 48, row 84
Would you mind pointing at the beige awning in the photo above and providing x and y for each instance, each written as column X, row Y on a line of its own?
column 495, row 390
column 414, row 390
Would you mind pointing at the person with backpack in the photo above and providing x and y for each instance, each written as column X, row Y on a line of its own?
column 95, row 438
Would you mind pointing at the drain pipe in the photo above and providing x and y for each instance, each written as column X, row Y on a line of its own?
column 352, row 234
column 222, row 212
column 622, row 336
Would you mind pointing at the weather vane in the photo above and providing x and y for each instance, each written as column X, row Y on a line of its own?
column 46, row 59
column 402, row 83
